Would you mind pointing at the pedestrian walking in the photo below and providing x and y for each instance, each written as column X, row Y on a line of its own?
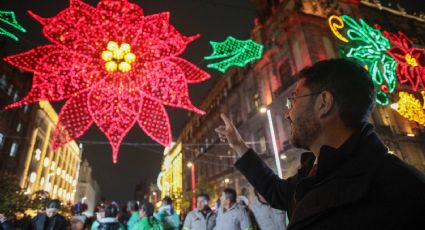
column 231, row 215
column 166, row 215
column 50, row 219
column 110, row 221
column 147, row 220
column 356, row 183
column 267, row 217
column 202, row 217
column 133, row 208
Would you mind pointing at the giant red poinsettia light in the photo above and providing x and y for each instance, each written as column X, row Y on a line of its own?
column 115, row 66
column 410, row 60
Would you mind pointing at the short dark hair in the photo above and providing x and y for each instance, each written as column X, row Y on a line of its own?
column 204, row 195
column 230, row 194
column 55, row 203
column 111, row 210
column 132, row 205
column 348, row 82
column 167, row 200
column 148, row 209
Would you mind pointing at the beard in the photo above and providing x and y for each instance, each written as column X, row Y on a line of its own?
column 305, row 130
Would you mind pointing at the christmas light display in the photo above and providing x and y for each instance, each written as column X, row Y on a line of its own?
column 9, row 18
column 410, row 61
column 369, row 47
column 411, row 108
column 237, row 52
column 115, row 66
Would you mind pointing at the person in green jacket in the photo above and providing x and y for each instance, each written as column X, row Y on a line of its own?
column 133, row 208
column 147, row 220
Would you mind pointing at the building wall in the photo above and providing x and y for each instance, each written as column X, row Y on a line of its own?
column 87, row 188
column 53, row 171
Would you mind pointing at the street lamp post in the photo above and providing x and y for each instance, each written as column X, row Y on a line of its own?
column 272, row 133
column 192, row 166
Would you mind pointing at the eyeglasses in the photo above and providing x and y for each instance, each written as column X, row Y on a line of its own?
column 291, row 100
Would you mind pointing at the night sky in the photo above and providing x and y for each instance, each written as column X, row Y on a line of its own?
column 213, row 19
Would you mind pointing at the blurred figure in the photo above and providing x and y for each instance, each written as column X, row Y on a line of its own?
column 5, row 224
column 99, row 214
column 244, row 202
column 231, row 215
column 202, row 218
column 78, row 220
column 166, row 215
column 267, row 217
column 147, row 220
column 51, row 219
column 110, row 221
column 133, row 208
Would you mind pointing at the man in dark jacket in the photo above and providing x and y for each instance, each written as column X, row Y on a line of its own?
column 356, row 184
column 51, row 219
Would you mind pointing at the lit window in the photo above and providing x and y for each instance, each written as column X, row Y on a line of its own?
column 13, row 149
column 33, row 176
column 1, row 140
column 38, row 154
column 18, row 127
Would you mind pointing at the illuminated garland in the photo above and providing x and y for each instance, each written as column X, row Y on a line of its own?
column 368, row 46
column 410, row 60
column 237, row 52
column 115, row 66
column 411, row 108
column 9, row 18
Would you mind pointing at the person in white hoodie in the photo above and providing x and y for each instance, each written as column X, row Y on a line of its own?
column 267, row 217
column 166, row 215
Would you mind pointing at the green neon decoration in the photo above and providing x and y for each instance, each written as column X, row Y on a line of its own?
column 234, row 52
column 9, row 18
column 368, row 46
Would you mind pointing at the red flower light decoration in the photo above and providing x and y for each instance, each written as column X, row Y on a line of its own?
column 115, row 66
column 410, row 60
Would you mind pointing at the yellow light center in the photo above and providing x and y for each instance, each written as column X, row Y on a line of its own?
column 411, row 60
column 118, row 57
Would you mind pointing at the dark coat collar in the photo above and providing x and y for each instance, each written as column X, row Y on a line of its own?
column 342, row 180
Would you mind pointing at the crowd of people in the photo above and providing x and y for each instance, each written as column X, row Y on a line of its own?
column 231, row 213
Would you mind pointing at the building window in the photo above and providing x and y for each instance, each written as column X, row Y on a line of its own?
column 19, row 127
column 16, row 96
column 13, row 149
column 1, row 140
column 10, row 90
column 3, row 82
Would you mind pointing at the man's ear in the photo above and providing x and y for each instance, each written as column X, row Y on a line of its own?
column 324, row 103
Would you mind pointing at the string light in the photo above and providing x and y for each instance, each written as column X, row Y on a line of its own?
column 368, row 46
column 115, row 66
column 336, row 23
column 237, row 52
column 410, row 60
column 411, row 108
column 9, row 18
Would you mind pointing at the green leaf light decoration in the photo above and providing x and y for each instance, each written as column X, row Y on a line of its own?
column 234, row 52
column 9, row 18
column 368, row 46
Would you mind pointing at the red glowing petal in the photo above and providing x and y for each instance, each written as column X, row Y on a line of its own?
column 159, row 39
column 114, row 105
column 30, row 59
column 121, row 13
column 166, row 82
column 71, row 26
column 192, row 73
column 153, row 119
column 74, row 120
column 61, row 75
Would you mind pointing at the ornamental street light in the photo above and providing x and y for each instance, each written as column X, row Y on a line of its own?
column 192, row 166
column 272, row 133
